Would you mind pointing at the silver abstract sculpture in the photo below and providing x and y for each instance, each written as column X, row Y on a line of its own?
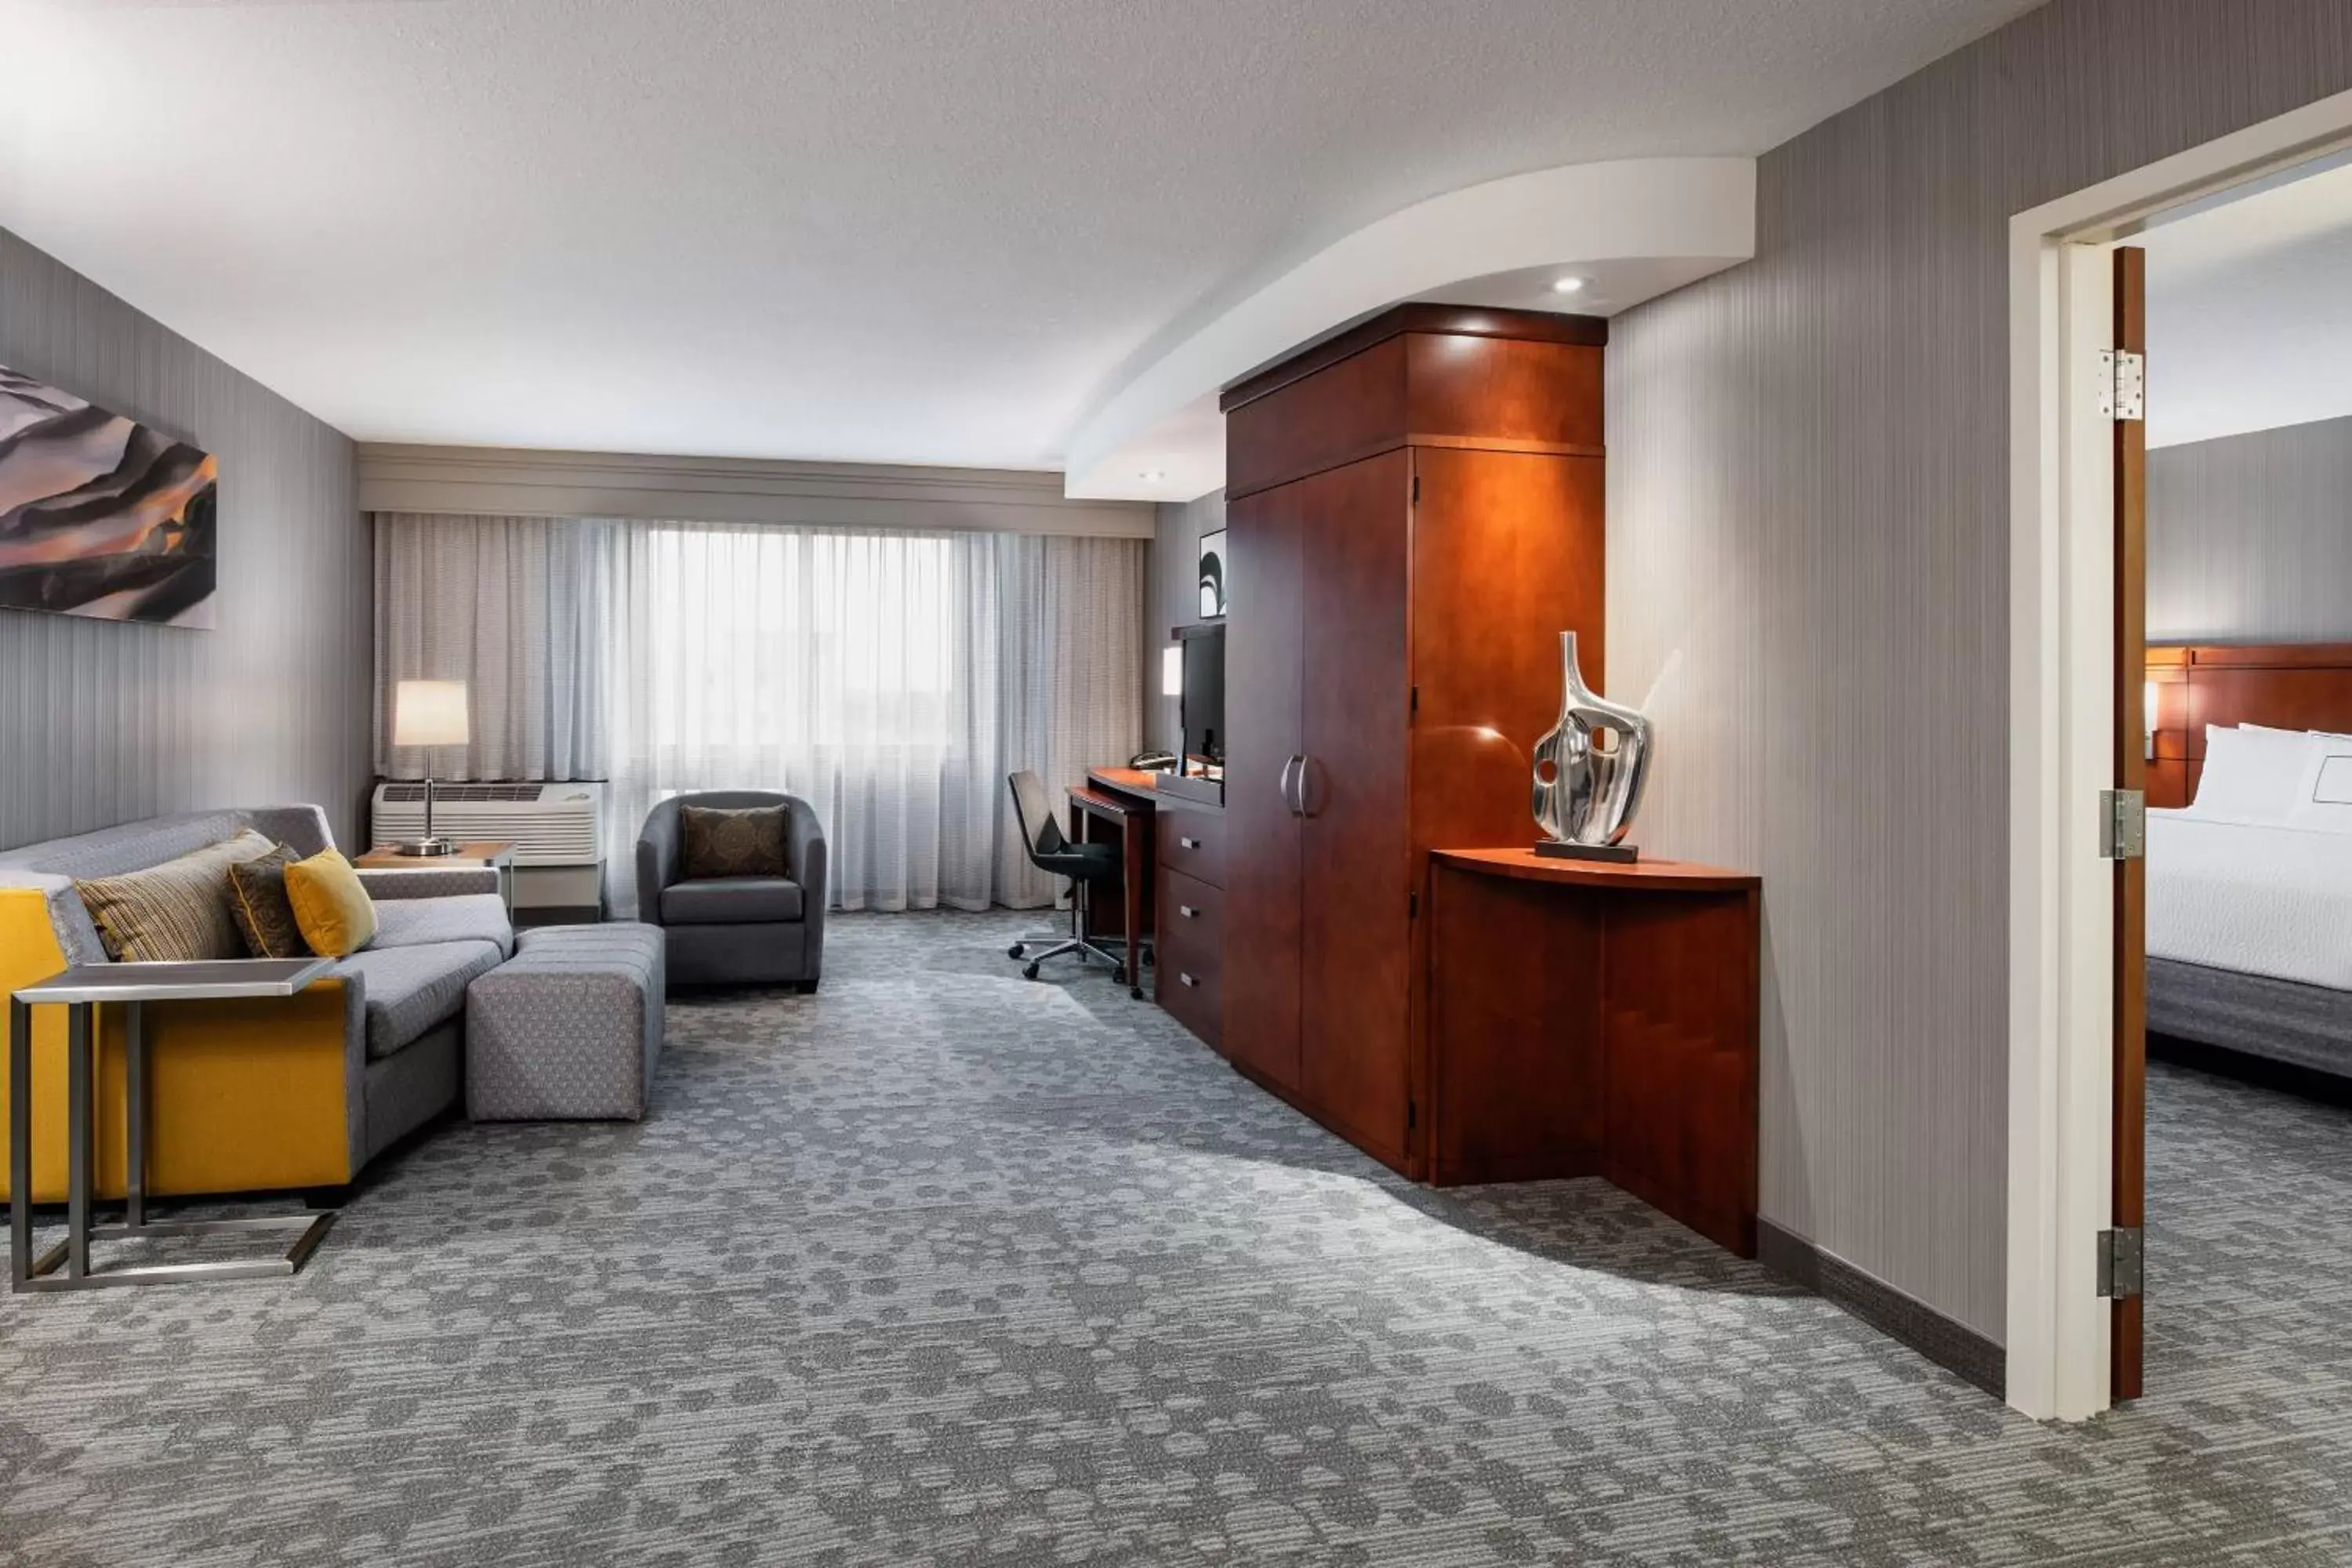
column 1596, row 758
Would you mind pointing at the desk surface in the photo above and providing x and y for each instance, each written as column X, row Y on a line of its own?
column 1129, row 781
column 1646, row 876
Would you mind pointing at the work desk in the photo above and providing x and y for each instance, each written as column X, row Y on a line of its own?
column 1590, row 1018
column 1098, row 812
column 1178, row 900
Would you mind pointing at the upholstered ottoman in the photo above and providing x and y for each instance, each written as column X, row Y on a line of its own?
column 568, row 1030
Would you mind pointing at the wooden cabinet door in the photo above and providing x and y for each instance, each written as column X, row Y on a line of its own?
column 1262, row 680
column 1355, row 866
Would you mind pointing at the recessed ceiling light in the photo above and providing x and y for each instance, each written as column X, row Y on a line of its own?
column 1567, row 285
column 1152, row 475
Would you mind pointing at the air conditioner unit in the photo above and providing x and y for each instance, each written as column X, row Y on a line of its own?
column 556, row 828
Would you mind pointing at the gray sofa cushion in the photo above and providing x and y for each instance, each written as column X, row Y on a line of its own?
column 731, row 900
column 410, row 989
column 420, row 923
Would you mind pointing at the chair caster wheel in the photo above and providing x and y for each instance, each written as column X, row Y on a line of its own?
column 1136, row 992
column 1030, row 972
column 1016, row 950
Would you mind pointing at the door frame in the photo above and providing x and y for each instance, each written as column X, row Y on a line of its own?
column 2062, row 740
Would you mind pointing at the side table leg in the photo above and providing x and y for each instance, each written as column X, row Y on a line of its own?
column 134, row 1108
column 20, row 1144
column 77, row 1017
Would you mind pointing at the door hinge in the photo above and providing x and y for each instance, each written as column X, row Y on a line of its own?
column 2123, row 385
column 2122, row 825
column 1416, row 490
column 1412, row 906
column 1409, row 1111
column 1412, row 709
column 2120, row 1273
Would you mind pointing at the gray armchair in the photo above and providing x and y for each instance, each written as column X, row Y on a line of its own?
column 736, row 930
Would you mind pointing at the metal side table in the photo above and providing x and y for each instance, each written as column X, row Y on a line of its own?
column 130, row 986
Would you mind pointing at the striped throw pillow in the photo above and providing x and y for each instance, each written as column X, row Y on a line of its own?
column 177, row 912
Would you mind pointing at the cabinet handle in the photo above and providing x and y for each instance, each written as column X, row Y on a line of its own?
column 1187, row 911
column 1184, row 979
column 1294, row 781
column 1188, row 843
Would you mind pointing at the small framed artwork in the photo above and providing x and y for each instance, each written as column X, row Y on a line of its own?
column 1212, row 576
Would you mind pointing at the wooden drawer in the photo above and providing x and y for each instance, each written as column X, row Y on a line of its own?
column 1191, row 954
column 1192, row 844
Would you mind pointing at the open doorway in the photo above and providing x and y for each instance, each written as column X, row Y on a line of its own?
column 2120, row 699
column 2245, row 903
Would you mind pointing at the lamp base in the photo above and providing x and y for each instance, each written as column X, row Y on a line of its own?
column 1562, row 850
column 436, row 846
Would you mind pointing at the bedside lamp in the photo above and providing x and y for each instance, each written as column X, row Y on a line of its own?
column 429, row 713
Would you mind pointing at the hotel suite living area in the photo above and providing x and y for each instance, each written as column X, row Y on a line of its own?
column 1173, row 783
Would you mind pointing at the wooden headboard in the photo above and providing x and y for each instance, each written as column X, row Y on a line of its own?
column 2287, row 686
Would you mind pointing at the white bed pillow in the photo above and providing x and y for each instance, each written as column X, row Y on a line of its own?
column 2253, row 775
column 2324, row 793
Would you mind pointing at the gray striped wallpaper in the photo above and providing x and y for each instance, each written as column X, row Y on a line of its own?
column 102, row 722
column 1808, row 560
column 2250, row 537
column 1173, row 600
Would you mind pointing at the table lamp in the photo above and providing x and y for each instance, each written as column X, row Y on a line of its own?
column 429, row 713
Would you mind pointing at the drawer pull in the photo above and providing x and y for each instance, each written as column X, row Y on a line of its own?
column 1187, row 911
column 1188, row 843
column 1184, row 979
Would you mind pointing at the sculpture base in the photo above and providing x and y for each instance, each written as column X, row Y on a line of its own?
column 1562, row 850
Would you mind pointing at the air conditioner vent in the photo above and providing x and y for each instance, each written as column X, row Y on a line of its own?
column 548, row 824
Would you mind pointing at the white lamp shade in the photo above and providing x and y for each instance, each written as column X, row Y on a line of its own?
column 429, row 713
column 1171, row 670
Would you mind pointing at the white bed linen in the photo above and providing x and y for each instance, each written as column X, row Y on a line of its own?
column 2261, row 897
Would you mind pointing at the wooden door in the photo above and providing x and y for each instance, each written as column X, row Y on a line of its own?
column 1355, row 873
column 2131, row 774
column 1263, row 681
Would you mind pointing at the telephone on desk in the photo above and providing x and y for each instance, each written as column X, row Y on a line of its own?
column 1154, row 761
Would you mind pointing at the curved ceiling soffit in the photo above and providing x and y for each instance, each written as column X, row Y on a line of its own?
column 1632, row 229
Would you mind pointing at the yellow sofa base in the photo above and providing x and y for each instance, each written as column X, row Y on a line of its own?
column 247, row 1095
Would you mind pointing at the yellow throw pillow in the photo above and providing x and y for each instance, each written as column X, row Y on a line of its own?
column 336, row 916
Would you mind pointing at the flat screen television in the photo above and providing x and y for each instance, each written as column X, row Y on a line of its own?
column 1204, row 698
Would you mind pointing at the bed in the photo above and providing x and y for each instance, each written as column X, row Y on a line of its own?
column 2249, row 851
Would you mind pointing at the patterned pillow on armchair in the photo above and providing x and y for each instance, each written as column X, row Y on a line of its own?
column 749, row 842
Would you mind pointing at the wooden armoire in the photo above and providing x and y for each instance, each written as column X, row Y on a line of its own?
column 1414, row 516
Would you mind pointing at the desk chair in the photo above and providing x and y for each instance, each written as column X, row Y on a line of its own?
column 1052, row 851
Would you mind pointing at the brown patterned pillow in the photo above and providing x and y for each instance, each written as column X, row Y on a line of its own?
column 264, row 914
column 744, row 843
column 177, row 912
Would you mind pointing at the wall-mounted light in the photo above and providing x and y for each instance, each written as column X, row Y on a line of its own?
column 1171, row 670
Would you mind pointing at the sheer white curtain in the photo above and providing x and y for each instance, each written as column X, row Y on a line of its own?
column 510, row 605
column 892, row 679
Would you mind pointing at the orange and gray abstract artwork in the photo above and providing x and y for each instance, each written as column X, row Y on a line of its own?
column 100, row 515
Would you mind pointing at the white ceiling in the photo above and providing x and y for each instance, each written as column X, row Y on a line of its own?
column 886, row 231
column 2250, row 310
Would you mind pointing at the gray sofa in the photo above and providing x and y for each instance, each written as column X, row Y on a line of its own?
column 403, row 996
column 736, row 930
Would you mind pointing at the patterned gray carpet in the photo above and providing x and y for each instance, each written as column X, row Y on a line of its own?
column 938, row 1265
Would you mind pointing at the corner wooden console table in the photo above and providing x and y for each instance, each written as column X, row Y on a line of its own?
column 1588, row 1019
